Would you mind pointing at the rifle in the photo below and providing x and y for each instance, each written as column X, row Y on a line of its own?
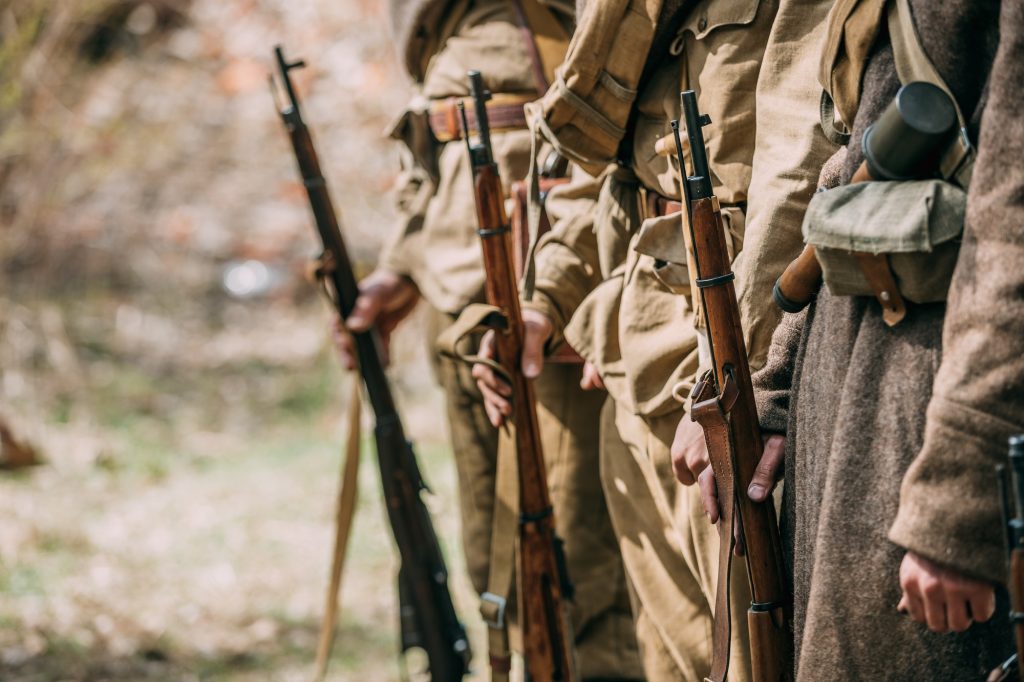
column 724, row 406
column 1012, row 488
column 428, row 618
column 542, row 576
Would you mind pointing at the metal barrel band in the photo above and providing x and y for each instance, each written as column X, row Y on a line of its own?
column 505, row 229
column 716, row 281
column 1017, row 617
column 314, row 183
column 766, row 606
column 545, row 513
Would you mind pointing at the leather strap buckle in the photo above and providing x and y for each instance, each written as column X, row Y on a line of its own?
column 492, row 610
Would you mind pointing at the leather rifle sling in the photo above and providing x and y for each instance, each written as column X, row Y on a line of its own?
column 711, row 412
column 501, row 566
column 347, row 494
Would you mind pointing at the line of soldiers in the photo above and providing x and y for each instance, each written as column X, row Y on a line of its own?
column 886, row 434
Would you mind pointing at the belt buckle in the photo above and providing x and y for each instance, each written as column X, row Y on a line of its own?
column 495, row 621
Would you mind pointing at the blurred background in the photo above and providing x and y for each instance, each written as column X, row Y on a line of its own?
column 171, row 411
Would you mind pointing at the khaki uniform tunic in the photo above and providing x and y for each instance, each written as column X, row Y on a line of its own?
column 620, row 287
column 438, row 248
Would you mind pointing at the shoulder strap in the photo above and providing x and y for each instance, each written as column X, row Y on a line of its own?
column 546, row 39
column 913, row 64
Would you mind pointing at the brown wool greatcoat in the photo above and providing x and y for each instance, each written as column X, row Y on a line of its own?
column 893, row 433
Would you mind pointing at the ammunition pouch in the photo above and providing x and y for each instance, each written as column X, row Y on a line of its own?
column 872, row 236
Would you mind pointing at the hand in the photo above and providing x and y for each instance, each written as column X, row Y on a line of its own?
column 385, row 299
column 537, row 329
column 591, row 380
column 946, row 600
column 691, row 464
column 690, row 453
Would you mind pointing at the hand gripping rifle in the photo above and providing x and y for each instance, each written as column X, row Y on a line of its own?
column 542, row 581
column 1012, row 489
column 723, row 404
column 428, row 617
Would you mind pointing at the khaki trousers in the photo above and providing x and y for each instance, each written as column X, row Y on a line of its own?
column 568, row 417
column 669, row 549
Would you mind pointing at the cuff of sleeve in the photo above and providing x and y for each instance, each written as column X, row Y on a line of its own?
column 949, row 508
column 544, row 305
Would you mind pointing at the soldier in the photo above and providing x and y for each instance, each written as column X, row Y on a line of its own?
column 892, row 430
column 618, row 287
column 436, row 255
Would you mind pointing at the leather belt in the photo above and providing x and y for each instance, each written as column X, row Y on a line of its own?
column 654, row 205
column 504, row 113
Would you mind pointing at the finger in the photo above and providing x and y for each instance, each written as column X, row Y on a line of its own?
column 697, row 459
column 983, row 603
column 911, row 604
column 934, row 598
column 677, row 451
column 766, row 474
column 591, row 378
column 484, row 374
column 683, row 473
column 343, row 342
column 495, row 399
column 364, row 312
column 958, row 617
column 709, row 494
column 494, row 415
column 533, row 349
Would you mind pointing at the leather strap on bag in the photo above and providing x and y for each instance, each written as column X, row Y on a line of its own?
column 545, row 38
column 877, row 272
column 711, row 412
column 913, row 64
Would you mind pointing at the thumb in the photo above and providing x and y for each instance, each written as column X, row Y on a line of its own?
column 365, row 312
column 533, row 349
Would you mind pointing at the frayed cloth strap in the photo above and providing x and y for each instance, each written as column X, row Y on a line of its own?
column 475, row 318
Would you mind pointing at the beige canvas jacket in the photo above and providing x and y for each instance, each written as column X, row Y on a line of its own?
column 436, row 244
column 613, row 280
column 619, row 286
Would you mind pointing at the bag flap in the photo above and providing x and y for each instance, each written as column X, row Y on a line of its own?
column 886, row 217
column 661, row 238
column 712, row 14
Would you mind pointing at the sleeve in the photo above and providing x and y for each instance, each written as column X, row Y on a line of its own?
column 416, row 186
column 567, row 261
column 949, row 506
column 789, row 151
column 773, row 382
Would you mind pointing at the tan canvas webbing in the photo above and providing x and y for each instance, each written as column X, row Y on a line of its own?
column 547, row 39
column 346, row 511
column 476, row 318
column 913, row 64
column 502, row 562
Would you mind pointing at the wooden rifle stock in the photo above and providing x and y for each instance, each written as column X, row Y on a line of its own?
column 1012, row 492
column 542, row 581
column 428, row 616
column 729, row 381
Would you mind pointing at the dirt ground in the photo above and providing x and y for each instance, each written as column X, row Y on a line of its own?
column 189, row 417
